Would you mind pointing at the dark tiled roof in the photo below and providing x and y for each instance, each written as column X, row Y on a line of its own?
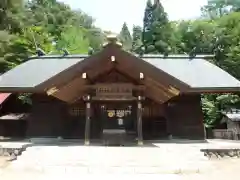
column 197, row 72
column 36, row 71
column 234, row 116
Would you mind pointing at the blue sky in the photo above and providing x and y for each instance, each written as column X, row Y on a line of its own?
column 111, row 14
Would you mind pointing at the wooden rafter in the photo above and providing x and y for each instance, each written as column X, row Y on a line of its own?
column 66, row 92
column 160, row 91
column 72, row 89
column 95, row 72
column 167, row 90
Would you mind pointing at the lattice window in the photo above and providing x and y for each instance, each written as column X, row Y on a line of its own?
column 76, row 111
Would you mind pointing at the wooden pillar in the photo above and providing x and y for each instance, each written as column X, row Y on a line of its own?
column 88, row 121
column 139, row 121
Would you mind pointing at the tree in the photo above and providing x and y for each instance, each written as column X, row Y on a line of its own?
column 45, row 21
column 5, row 38
column 10, row 17
column 125, row 37
column 210, row 109
column 157, row 29
column 228, row 39
column 24, row 45
column 25, row 25
column 147, row 25
column 55, row 16
column 137, row 39
column 96, row 38
column 75, row 40
column 199, row 34
column 219, row 8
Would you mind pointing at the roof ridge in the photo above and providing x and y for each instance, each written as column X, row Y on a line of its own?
column 60, row 56
column 177, row 56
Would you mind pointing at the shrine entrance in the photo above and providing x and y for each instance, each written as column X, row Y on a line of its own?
column 118, row 115
column 115, row 111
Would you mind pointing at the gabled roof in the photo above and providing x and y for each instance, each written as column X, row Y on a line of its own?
column 194, row 74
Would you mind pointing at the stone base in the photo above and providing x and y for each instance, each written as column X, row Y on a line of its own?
column 86, row 142
column 221, row 153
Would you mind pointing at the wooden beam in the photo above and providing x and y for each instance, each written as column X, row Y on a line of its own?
column 139, row 122
column 114, row 99
column 151, row 91
column 94, row 73
column 70, row 90
column 155, row 95
column 101, row 75
column 132, row 86
column 130, row 63
column 52, row 91
column 88, row 123
column 131, row 75
column 167, row 90
column 174, row 90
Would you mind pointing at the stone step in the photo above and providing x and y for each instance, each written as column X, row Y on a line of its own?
column 171, row 159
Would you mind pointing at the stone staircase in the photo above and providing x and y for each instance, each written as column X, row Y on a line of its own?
column 161, row 159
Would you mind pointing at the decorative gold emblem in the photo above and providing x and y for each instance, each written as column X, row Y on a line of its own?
column 52, row 91
column 173, row 90
column 111, row 113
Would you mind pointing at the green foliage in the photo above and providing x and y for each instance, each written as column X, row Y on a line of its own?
column 126, row 38
column 10, row 15
column 37, row 23
column 157, row 30
column 210, row 111
column 198, row 33
column 25, row 98
column 75, row 40
column 96, row 38
column 229, row 38
column 218, row 33
column 137, row 39
column 54, row 16
column 218, row 8
column 26, row 25
column 21, row 46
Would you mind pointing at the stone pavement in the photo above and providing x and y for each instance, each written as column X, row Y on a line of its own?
column 164, row 159
column 168, row 160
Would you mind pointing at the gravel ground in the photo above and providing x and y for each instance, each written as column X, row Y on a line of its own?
column 3, row 162
column 166, row 161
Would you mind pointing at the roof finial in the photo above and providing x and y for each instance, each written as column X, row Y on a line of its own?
column 65, row 52
column 40, row 52
column 112, row 39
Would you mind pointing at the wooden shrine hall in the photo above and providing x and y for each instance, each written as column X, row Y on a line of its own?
column 89, row 96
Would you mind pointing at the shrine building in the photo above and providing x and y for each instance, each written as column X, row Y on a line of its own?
column 83, row 96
